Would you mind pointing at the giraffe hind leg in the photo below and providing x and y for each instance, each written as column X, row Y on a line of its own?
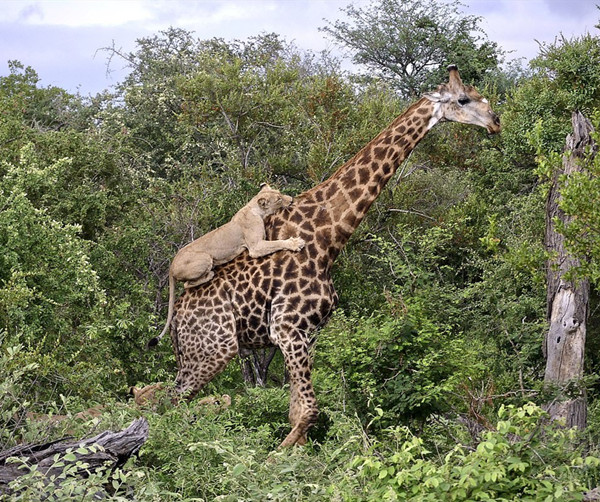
column 303, row 404
column 203, row 351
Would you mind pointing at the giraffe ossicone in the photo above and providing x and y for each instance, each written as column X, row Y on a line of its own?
column 283, row 298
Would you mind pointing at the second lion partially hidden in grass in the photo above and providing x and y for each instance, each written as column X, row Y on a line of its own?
column 193, row 265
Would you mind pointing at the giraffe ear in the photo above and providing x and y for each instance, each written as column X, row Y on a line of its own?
column 455, row 82
column 439, row 96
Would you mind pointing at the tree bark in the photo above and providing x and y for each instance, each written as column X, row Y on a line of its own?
column 567, row 300
column 116, row 449
column 255, row 365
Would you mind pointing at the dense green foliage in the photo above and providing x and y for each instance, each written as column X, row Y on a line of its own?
column 429, row 373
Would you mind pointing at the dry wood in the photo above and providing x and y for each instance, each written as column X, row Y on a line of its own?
column 116, row 448
column 567, row 301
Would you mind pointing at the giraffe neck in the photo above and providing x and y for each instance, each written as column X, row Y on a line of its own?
column 343, row 200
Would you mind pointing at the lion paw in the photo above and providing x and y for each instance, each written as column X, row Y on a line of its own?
column 297, row 243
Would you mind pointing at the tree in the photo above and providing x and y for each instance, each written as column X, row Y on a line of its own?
column 410, row 42
column 146, row 105
column 568, row 298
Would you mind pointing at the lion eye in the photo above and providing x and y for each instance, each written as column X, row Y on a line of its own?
column 463, row 100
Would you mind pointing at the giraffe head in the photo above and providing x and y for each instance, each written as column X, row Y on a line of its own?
column 458, row 102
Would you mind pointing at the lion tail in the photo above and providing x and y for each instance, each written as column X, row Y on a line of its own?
column 153, row 342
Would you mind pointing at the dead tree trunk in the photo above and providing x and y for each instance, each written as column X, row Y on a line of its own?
column 116, row 448
column 255, row 365
column 567, row 300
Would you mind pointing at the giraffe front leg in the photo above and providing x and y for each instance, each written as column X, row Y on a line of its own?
column 303, row 404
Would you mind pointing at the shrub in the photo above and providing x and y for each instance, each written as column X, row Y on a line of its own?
column 524, row 458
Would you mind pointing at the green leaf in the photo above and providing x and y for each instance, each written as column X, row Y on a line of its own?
column 238, row 469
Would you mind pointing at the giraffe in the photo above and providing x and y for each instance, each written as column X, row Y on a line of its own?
column 282, row 299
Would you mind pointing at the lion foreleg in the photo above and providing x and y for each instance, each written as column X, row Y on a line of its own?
column 263, row 248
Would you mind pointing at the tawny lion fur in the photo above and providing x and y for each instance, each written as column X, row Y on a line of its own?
column 149, row 395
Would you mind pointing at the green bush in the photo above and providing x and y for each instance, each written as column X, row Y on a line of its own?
column 523, row 458
column 402, row 362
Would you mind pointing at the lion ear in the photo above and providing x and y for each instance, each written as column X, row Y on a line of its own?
column 263, row 202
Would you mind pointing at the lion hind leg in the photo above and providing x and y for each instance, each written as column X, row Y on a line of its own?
column 201, row 280
column 193, row 268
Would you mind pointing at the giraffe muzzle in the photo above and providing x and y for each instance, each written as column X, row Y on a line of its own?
column 495, row 127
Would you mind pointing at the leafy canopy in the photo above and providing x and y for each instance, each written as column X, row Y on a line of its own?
column 410, row 42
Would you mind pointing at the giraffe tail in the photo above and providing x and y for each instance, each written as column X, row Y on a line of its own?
column 153, row 342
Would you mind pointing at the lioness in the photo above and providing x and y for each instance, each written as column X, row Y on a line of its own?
column 193, row 264
column 146, row 395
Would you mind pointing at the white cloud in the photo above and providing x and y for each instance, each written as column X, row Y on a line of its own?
column 518, row 25
column 216, row 15
column 74, row 14
column 149, row 14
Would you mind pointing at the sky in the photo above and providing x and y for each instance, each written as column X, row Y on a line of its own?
column 63, row 39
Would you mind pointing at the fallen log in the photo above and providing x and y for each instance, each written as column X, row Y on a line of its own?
column 108, row 449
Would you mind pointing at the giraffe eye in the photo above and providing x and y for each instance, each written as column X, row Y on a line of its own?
column 463, row 100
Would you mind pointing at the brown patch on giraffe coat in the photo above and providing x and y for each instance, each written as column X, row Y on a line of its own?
column 322, row 218
column 309, row 269
column 309, row 211
column 291, row 271
column 311, row 249
column 356, row 193
column 362, row 206
column 319, row 196
column 296, row 217
column 365, row 158
column 265, row 267
column 380, row 152
column 324, row 238
column 294, row 301
column 349, row 220
column 254, row 322
column 332, row 190
column 290, row 288
column 364, row 175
